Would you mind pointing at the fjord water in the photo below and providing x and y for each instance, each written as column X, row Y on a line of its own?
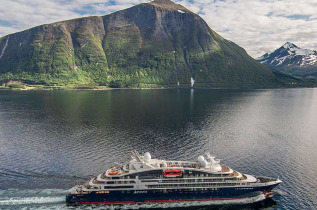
column 52, row 140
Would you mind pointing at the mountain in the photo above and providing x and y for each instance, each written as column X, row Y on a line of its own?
column 292, row 60
column 155, row 44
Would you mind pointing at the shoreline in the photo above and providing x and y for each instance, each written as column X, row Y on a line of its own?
column 36, row 88
column 92, row 89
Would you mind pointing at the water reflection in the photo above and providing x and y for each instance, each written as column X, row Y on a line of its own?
column 55, row 139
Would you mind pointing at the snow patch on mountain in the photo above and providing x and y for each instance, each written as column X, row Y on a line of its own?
column 309, row 60
column 303, row 52
column 294, row 50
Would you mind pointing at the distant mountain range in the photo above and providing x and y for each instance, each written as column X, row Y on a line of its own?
column 155, row 44
column 292, row 60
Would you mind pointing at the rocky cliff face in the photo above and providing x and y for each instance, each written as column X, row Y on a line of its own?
column 149, row 45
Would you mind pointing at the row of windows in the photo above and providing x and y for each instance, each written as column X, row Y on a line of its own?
column 200, row 174
column 117, row 187
column 157, row 174
column 160, row 191
column 121, row 182
column 177, row 180
column 190, row 185
column 193, row 180
column 184, row 176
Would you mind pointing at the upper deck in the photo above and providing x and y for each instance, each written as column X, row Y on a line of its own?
column 143, row 172
column 145, row 163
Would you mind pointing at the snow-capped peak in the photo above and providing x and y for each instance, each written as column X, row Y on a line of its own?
column 288, row 45
column 289, row 54
column 294, row 50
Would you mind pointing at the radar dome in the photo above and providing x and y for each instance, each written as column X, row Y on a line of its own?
column 200, row 158
column 204, row 163
column 147, row 156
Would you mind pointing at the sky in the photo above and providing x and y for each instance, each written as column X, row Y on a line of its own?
column 259, row 26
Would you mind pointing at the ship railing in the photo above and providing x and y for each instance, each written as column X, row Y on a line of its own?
column 186, row 185
column 80, row 192
column 194, row 180
column 180, row 164
column 103, row 176
column 265, row 179
column 225, row 169
column 215, row 176
column 244, row 177
column 95, row 181
column 81, row 189
column 234, row 173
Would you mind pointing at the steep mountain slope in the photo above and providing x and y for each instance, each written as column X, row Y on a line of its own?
column 292, row 60
column 149, row 45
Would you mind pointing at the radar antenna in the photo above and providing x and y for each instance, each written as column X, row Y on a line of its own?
column 136, row 155
column 212, row 158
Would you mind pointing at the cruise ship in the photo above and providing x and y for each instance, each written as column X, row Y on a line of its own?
column 144, row 179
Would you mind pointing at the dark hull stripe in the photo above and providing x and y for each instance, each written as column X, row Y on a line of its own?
column 157, row 201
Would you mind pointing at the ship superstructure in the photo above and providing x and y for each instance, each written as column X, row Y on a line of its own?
column 144, row 179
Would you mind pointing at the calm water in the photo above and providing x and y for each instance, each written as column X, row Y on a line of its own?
column 52, row 140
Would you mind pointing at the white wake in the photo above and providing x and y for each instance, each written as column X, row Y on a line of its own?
column 31, row 200
column 41, row 196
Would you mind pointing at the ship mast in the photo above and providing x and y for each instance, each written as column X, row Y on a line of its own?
column 136, row 155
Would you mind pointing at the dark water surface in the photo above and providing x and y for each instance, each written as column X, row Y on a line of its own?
column 52, row 140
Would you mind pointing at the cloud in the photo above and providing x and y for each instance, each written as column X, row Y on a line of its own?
column 259, row 26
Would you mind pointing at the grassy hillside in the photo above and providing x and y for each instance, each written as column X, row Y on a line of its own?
column 148, row 45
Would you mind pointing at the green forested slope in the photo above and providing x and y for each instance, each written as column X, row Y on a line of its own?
column 156, row 44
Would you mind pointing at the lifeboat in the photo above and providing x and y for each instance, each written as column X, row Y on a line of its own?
column 173, row 173
column 113, row 172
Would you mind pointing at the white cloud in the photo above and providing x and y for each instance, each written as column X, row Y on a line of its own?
column 7, row 30
column 261, row 26
column 257, row 25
